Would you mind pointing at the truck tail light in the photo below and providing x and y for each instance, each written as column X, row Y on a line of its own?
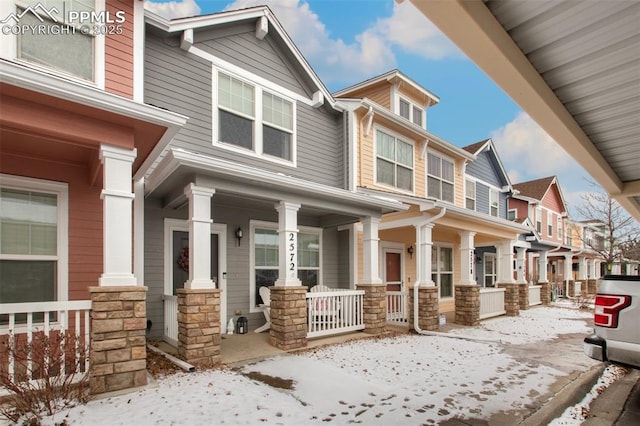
column 608, row 307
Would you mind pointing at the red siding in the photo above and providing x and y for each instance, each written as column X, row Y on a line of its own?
column 85, row 217
column 522, row 207
column 119, row 52
column 552, row 200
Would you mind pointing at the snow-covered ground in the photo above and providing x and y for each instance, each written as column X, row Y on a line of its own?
column 409, row 380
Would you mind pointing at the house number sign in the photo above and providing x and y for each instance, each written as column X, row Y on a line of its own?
column 292, row 250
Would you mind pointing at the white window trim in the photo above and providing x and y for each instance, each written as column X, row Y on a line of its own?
column 427, row 174
column 9, row 49
column 549, row 223
column 375, row 162
column 257, row 151
column 260, row 224
column 539, row 219
column 437, row 246
column 412, row 104
column 468, row 180
column 61, row 190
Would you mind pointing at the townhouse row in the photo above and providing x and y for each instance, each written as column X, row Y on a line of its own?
column 169, row 169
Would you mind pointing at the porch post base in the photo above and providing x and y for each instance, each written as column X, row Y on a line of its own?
column 199, row 326
column 592, row 286
column 545, row 293
column 511, row 299
column 572, row 289
column 375, row 307
column 118, row 342
column 584, row 288
column 288, row 317
column 467, row 298
column 428, row 308
column 523, row 296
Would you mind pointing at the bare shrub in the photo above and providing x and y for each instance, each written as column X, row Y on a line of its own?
column 584, row 302
column 48, row 375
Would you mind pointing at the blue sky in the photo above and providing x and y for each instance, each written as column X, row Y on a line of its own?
column 347, row 41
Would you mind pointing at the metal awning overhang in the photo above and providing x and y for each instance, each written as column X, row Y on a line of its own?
column 244, row 179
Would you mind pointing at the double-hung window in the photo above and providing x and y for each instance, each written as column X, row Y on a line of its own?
column 49, row 39
column 394, row 161
column 494, row 197
column 539, row 219
column 559, row 227
column 33, row 223
column 470, row 194
column 439, row 178
column 442, row 269
column 265, row 257
column 254, row 119
column 550, row 224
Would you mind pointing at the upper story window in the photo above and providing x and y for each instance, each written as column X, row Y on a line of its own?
column 550, row 224
column 494, row 198
column 559, row 226
column 411, row 112
column 539, row 219
column 512, row 214
column 440, row 177
column 254, row 119
column 54, row 41
column 33, row 240
column 394, row 161
column 470, row 194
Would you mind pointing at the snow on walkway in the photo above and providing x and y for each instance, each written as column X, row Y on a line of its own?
column 408, row 379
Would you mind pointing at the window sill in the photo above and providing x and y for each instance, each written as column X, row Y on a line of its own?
column 251, row 153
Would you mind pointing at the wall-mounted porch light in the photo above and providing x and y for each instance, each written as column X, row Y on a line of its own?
column 239, row 235
column 410, row 251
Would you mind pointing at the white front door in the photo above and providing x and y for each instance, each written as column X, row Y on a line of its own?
column 176, row 270
column 489, row 270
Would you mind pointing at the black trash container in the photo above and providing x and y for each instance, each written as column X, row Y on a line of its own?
column 242, row 325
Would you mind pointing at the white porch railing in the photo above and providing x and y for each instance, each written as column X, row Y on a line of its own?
column 534, row 295
column 171, row 319
column 491, row 302
column 45, row 317
column 334, row 312
column 397, row 308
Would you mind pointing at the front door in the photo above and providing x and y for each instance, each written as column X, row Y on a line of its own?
column 393, row 269
column 489, row 270
column 177, row 271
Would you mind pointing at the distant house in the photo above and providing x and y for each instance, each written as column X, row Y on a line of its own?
column 456, row 198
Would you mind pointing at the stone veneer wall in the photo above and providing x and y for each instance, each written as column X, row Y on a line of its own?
column 592, row 286
column 118, row 342
column 584, row 288
column 199, row 326
column 288, row 317
column 428, row 308
column 511, row 299
column 571, row 291
column 545, row 293
column 523, row 296
column 467, row 299
column 375, row 307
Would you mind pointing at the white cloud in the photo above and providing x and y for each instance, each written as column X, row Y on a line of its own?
column 173, row 9
column 371, row 51
column 528, row 153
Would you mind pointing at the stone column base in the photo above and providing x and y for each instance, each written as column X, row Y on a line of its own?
column 571, row 291
column 467, row 298
column 511, row 299
column 199, row 326
column 288, row 317
column 584, row 288
column 523, row 296
column 375, row 307
column 118, row 342
column 545, row 293
column 592, row 286
column 428, row 308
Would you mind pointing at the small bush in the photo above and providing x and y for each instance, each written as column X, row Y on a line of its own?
column 48, row 376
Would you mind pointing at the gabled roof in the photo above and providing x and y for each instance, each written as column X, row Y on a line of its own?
column 393, row 76
column 487, row 145
column 237, row 16
column 537, row 189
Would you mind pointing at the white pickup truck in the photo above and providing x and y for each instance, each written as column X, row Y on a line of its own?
column 616, row 321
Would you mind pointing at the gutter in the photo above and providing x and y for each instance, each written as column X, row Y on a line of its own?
column 180, row 363
column 416, row 303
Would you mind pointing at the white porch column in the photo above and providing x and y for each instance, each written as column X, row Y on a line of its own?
column 117, row 216
column 505, row 272
column 529, row 276
column 138, row 230
column 568, row 261
column 520, row 252
column 582, row 268
column 288, row 243
column 370, row 273
column 424, row 245
column 543, row 264
column 199, row 236
column 596, row 268
column 467, row 254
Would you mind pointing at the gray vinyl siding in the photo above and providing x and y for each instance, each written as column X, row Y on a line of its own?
column 482, row 198
column 238, row 267
column 182, row 82
column 486, row 169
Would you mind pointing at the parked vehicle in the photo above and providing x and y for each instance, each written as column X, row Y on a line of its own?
column 616, row 321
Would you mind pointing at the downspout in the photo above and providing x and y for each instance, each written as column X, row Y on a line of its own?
column 416, row 302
